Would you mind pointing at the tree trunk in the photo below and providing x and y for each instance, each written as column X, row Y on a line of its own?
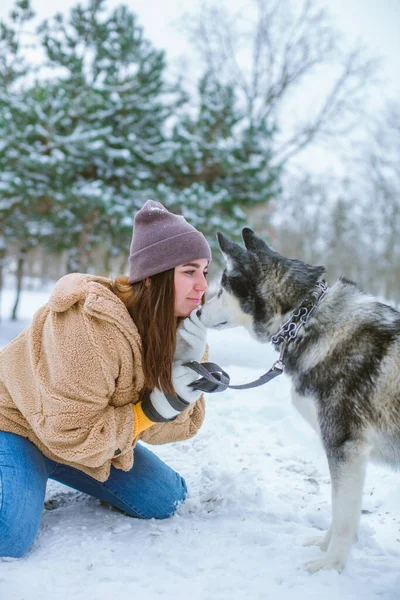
column 78, row 259
column 107, row 261
column 20, row 274
column 2, row 263
column 73, row 265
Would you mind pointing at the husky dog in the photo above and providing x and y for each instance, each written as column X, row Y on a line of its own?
column 341, row 349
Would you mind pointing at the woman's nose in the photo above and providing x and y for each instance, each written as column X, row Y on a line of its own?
column 201, row 283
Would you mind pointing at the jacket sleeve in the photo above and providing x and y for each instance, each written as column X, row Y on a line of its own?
column 185, row 426
column 77, row 369
column 182, row 428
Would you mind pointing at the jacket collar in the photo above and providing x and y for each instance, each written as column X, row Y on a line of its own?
column 98, row 300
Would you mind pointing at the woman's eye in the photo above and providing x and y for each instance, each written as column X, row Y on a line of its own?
column 189, row 272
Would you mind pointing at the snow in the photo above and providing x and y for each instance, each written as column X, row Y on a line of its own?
column 258, row 487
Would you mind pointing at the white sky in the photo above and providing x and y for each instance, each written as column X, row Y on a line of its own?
column 375, row 22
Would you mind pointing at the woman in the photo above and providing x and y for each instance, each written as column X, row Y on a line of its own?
column 99, row 368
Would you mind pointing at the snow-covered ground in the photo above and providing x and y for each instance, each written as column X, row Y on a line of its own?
column 259, row 486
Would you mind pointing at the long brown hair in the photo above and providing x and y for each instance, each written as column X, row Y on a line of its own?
column 151, row 304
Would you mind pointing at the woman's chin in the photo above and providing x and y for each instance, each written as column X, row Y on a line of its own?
column 183, row 314
column 185, row 311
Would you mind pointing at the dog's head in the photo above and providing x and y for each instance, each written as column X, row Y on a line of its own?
column 258, row 287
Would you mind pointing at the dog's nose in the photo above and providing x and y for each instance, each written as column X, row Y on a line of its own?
column 198, row 312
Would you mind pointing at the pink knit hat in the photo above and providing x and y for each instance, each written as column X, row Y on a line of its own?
column 162, row 241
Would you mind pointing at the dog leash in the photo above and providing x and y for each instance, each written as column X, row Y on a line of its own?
column 214, row 379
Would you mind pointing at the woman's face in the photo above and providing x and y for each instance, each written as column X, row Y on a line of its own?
column 190, row 286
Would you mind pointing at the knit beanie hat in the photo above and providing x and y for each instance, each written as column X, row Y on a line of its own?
column 162, row 241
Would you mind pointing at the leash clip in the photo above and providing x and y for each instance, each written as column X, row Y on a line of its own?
column 214, row 378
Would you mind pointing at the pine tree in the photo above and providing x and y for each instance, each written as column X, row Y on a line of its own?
column 220, row 166
column 20, row 180
column 117, row 104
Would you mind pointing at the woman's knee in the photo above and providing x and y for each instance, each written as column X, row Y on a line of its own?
column 158, row 489
column 23, row 479
column 19, row 520
column 151, row 490
column 168, row 502
column 15, row 541
column 159, row 501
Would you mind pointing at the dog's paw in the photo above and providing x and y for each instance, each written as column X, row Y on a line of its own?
column 326, row 563
column 321, row 541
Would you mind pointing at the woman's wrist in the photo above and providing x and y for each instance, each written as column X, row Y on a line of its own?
column 141, row 421
column 161, row 407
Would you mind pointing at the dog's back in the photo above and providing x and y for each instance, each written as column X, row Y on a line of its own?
column 347, row 358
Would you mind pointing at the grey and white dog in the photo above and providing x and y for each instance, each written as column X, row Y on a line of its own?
column 344, row 364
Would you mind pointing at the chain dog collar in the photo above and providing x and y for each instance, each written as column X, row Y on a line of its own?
column 300, row 316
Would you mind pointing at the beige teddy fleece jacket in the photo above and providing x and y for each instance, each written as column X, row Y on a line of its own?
column 68, row 380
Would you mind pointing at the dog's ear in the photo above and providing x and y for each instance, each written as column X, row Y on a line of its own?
column 318, row 271
column 255, row 244
column 229, row 248
column 304, row 274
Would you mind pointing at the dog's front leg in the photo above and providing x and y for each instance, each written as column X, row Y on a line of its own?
column 347, row 465
column 321, row 540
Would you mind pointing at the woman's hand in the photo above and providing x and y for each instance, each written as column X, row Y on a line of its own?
column 159, row 406
column 182, row 377
column 191, row 339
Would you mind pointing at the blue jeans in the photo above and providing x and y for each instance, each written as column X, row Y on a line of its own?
column 150, row 489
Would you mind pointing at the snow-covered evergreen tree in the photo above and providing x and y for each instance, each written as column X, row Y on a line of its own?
column 220, row 166
column 113, row 133
column 87, row 144
column 21, row 178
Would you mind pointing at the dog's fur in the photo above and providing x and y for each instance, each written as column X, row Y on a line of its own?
column 344, row 366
